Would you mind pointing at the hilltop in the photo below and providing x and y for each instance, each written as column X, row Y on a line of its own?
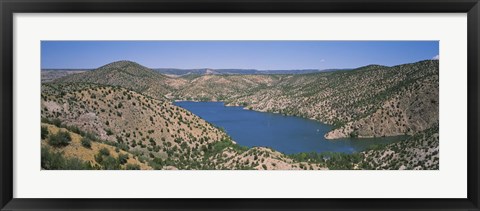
column 126, row 74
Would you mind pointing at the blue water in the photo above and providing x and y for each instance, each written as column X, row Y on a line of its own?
column 286, row 134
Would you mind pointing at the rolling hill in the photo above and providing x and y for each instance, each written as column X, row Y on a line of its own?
column 157, row 133
column 129, row 107
column 124, row 74
column 370, row 101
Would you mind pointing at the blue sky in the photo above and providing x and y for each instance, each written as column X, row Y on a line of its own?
column 262, row 55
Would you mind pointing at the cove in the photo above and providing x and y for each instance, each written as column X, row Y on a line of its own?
column 286, row 134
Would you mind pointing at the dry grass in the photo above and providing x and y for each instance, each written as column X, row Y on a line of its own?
column 76, row 150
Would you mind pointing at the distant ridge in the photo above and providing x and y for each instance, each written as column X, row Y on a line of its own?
column 208, row 71
column 370, row 101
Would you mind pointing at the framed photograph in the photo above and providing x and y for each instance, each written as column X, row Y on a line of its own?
column 254, row 105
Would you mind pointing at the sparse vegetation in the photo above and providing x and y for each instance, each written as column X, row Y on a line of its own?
column 44, row 132
column 60, row 139
column 129, row 111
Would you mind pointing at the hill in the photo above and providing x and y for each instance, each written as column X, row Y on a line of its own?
column 370, row 101
column 125, row 74
column 158, row 133
column 420, row 151
column 128, row 106
column 221, row 87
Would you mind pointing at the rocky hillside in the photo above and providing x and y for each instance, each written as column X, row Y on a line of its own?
column 158, row 133
column 222, row 87
column 125, row 74
column 420, row 151
column 371, row 101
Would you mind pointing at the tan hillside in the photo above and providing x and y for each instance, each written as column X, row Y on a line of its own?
column 410, row 110
column 419, row 152
column 156, row 131
column 75, row 149
column 125, row 74
column 137, row 123
column 364, row 102
column 221, row 87
column 261, row 158
column 371, row 101
column 127, row 106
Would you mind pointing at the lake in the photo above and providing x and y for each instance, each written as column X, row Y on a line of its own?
column 286, row 134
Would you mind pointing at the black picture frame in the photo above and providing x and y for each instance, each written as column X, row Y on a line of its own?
column 9, row 7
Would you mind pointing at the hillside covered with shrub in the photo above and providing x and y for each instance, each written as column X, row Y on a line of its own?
column 129, row 107
column 157, row 133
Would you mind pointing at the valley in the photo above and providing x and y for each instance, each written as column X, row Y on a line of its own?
column 126, row 107
column 371, row 101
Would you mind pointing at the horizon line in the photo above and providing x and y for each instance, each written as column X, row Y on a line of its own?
column 153, row 68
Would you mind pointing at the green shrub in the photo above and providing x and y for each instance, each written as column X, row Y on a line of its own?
column 110, row 163
column 156, row 163
column 56, row 161
column 109, row 132
column 56, row 122
column 98, row 158
column 51, row 160
column 104, row 151
column 132, row 167
column 122, row 158
column 60, row 139
column 87, row 143
column 44, row 132
column 354, row 134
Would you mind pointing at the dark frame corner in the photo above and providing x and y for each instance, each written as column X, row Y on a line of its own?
column 9, row 7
